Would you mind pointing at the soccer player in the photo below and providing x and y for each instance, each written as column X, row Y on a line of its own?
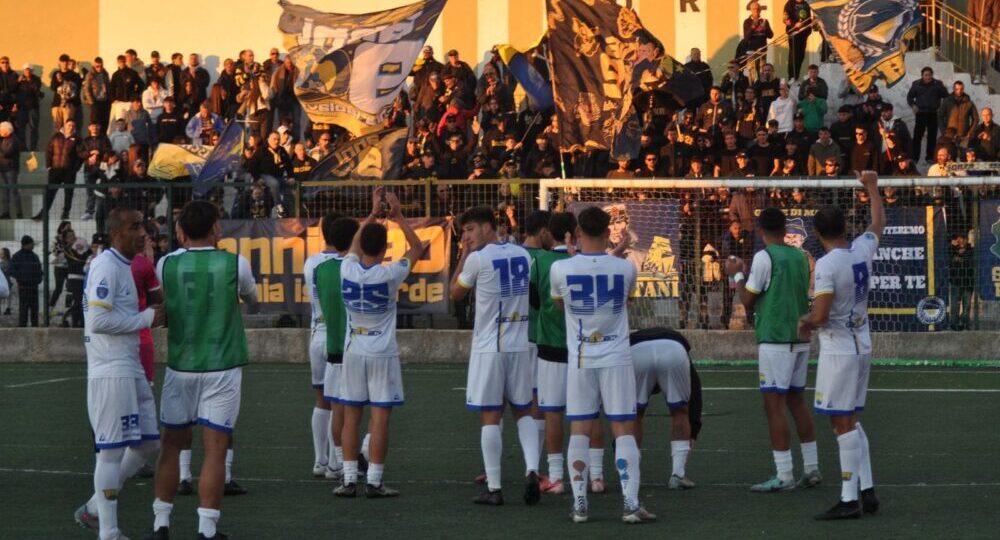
column 321, row 422
column 119, row 400
column 537, row 240
column 338, row 233
column 593, row 287
column 371, row 374
column 660, row 359
column 500, row 363
column 778, row 289
column 207, row 349
column 840, row 313
column 549, row 325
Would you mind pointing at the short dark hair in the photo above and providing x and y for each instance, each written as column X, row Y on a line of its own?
column 121, row 58
column 829, row 222
column 98, row 60
column 823, row 128
column 479, row 214
column 772, row 220
column 374, row 237
column 593, row 221
column 197, row 219
column 339, row 231
column 562, row 223
column 926, row 69
column 116, row 219
column 536, row 221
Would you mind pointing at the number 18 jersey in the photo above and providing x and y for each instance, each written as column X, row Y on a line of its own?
column 500, row 273
column 594, row 289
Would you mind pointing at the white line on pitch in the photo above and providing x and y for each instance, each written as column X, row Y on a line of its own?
column 916, row 390
column 46, row 381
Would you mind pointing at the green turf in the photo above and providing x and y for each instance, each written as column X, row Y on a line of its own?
column 935, row 459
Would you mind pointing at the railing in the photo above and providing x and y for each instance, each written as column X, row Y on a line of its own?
column 961, row 41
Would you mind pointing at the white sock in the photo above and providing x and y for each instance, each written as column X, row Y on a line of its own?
column 207, row 519
column 321, row 435
column 350, row 472
column 556, row 465
column 810, row 456
column 865, row 479
column 133, row 460
column 596, row 463
column 492, row 446
column 229, row 466
column 540, row 424
column 375, row 474
column 783, row 464
column 364, row 446
column 92, row 503
column 185, row 465
column 338, row 459
column 678, row 456
column 627, row 463
column 577, row 453
column 106, row 482
column 850, row 458
column 161, row 514
column 527, row 434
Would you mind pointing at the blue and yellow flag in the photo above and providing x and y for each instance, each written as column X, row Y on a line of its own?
column 172, row 161
column 224, row 157
column 869, row 36
column 536, row 86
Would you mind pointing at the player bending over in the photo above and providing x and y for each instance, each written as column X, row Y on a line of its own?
column 370, row 374
column 500, row 365
column 593, row 287
column 660, row 359
column 119, row 400
column 206, row 350
column 778, row 289
column 840, row 314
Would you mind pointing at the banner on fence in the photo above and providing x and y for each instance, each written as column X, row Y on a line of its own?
column 277, row 249
column 989, row 249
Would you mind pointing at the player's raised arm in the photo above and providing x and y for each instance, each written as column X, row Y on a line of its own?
column 869, row 179
column 377, row 198
column 415, row 246
column 463, row 278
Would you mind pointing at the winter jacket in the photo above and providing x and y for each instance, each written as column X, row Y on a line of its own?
column 126, row 85
column 958, row 112
column 29, row 93
column 813, row 111
column 96, row 87
column 8, row 89
column 926, row 96
column 26, row 269
column 10, row 149
column 61, row 152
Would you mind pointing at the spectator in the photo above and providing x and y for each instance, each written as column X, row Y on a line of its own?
column 77, row 251
column 29, row 95
column 798, row 26
column 322, row 147
column 674, row 155
column 97, row 94
column 7, row 301
column 736, row 242
column 864, row 156
column 814, row 82
column 139, row 124
column 155, row 71
column 783, row 109
column 153, row 98
column 734, row 84
column 490, row 87
column 622, row 172
column 848, row 94
column 796, row 156
column 92, row 150
column 749, row 115
column 271, row 164
column 842, row 131
column 813, row 110
column 126, row 87
column 272, row 63
column 985, row 15
column 542, row 161
column 985, row 137
column 285, row 139
column 822, row 150
column 8, row 90
column 744, row 168
column 172, row 81
column 428, row 167
column 26, row 269
column 701, row 70
column 455, row 157
column 713, row 113
column 889, row 125
column 199, row 79
column 302, row 163
column 115, row 197
column 255, row 203
column 10, row 165
column 170, row 125
column 227, row 82
column 283, row 91
column 203, row 125
column 868, row 113
column 756, row 32
column 120, row 138
column 764, row 155
column 62, row 160
column 961, row 281
column 465, row 78
column 903, row 166
column 697, row 169
column 802, row 137
column 133, row 63
column 831, row 168
column 65, row 87
column 940, row 166
column 422, row 70
column 650, row 166
column 255, row 104
column 925, row 97
column 959, row 112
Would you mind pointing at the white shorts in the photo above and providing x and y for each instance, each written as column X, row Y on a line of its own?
column 495, row 377
column 331, row 382
column 370, row 380
column 783, row 367
column 551, row 386
column 588, row 388
column 317, row 358
column 122, row 411
column 208, row 399
column 842, row 383
column 665, row 363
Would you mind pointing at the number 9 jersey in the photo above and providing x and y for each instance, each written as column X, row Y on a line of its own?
column 500, row 273
column 594, row 289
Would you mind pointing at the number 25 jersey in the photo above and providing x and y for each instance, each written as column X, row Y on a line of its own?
column 594, row 289
column 500, row 273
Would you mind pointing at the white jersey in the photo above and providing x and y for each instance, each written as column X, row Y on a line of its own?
column 4, row 286
column 370, row 298
column 318, row 323
column 244, row 273
column 112, row 319
column 594, row 289
column 499, row 272
column 846, row 274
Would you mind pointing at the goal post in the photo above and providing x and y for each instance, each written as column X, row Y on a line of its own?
column 937, row 267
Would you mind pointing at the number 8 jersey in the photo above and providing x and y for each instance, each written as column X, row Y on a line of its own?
column 594, row 289
column 500, row 273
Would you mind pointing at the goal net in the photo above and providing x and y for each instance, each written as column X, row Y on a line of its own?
column 937, row 266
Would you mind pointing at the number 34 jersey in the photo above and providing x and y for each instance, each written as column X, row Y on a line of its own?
column 594, row 289
column 370, row 299
column 500, row 273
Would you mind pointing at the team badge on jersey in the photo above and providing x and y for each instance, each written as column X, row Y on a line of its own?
column 102, row 289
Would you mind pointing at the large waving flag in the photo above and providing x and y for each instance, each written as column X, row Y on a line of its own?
column 869, row 36
column 536, row 86
column 225, row 157
column 375, row 156
column 352, row 66
column 172, row 161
